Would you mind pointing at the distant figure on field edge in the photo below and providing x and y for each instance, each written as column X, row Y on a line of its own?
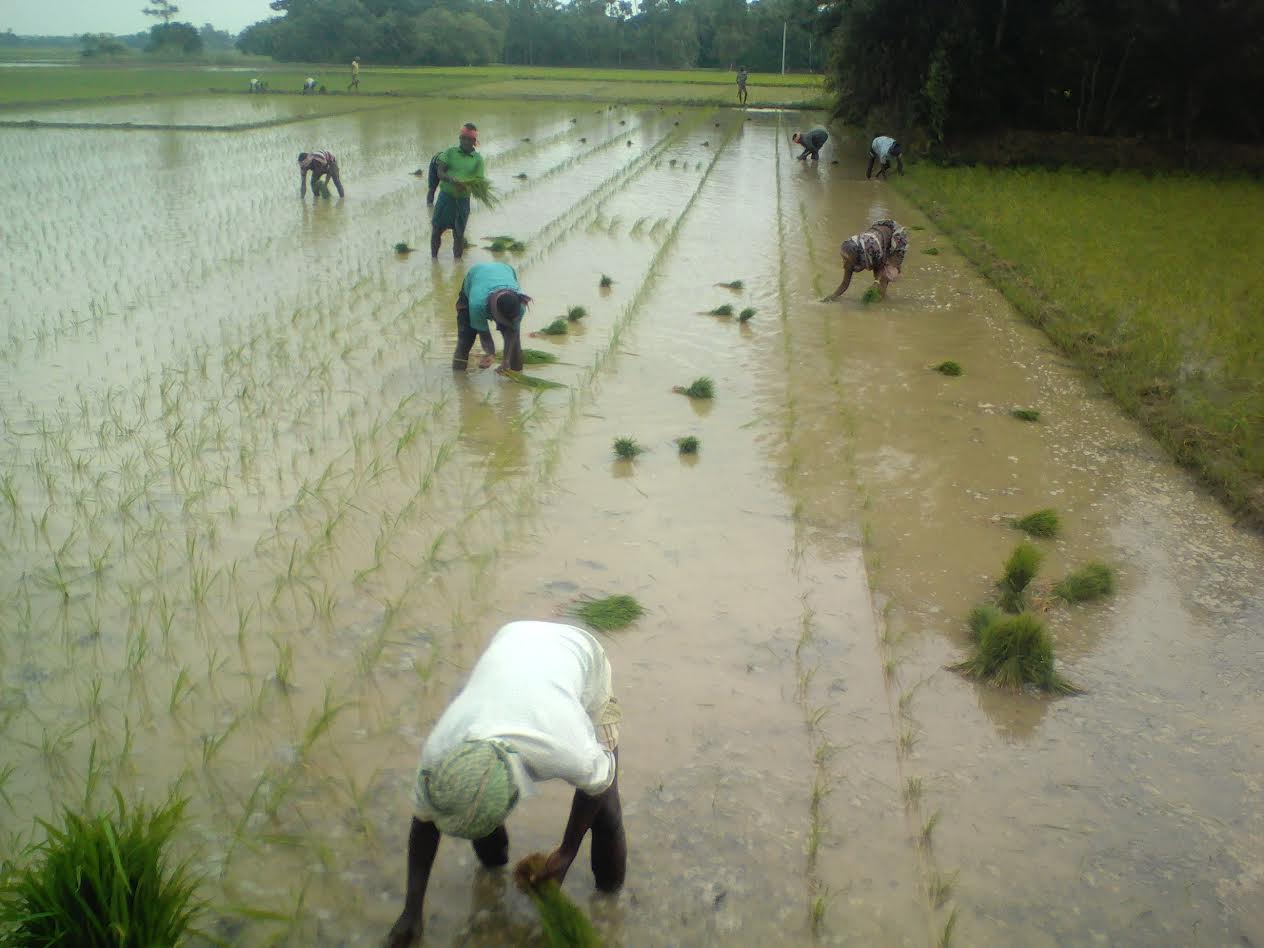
column 257, row 85
column 321, row 164
column 812, row 142
column 883, row 149
column 490, row 294
column 742, row 76
column 355, row 75
column 309, row 85
column 881, row 249
column 452, row 210
column 432, row 173
column 539, row 705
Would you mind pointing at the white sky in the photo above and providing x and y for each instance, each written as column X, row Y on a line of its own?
column 72, row 17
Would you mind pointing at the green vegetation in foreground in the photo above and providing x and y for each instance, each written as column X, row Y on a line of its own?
column 627, row 448
column 687, row 445
column 746, row 314
column 1020, row 570
column 1108, row 275
column 1026, row 414
column 871, row 295
column 564, row 923
column 1041, row 523
column 1012, row 652
column 701, row 387
column 575, row 313
column 949, row 368
column 608, row 614
column 724, row 309
column 555, row 328
column 1091, row 581
column 537, row 357
column 101, row 881
column 530, row 381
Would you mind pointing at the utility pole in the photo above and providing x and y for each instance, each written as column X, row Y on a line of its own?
column 783, row 47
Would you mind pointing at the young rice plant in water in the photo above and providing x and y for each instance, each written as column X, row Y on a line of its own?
column 565, row 924
column 687, row 444
column 1026, row 414
column 1091, row 581
column 1041, row 523
column 627, row 448
column 537, row 357
column 746, row 314
column 701, row 387
column 608, row 614
column 872, row 295
column 576, row 313
column 1020, row 570
column 724, row 309
column 1012, row 652
column 949, row 368
column 555, row 328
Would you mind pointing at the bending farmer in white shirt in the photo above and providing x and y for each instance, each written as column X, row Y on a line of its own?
column 538, row 705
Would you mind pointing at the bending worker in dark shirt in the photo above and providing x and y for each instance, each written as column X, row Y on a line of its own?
column 812, row 142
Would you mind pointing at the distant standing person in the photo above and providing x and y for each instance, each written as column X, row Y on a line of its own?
column 812, row 142
column 881, row 249
column 355, row 75
column 256, row 85
column 742, row 76
column 432, row 173
column 490, row 294
column 309, row 85
column 452, row 210
column 882, row 150
column 321, row 164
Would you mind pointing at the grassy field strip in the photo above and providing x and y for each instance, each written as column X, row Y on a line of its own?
column 151, row 127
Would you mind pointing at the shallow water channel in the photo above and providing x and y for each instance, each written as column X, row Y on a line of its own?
column 255, row 531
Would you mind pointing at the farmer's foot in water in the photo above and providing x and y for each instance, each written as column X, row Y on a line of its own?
column 485, row 362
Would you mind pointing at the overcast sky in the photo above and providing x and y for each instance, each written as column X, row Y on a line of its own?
column 72, row 17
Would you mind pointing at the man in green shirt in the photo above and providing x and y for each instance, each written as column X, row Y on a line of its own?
column 452, row 210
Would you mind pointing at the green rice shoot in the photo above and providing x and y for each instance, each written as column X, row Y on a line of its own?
column 1014, row 652
column 1093, row 580
column 481, row 190
column 872, row 295
column 627, row 448
column 701, row 387
column 95, row 877
column 530, row 381
column 402, row 247
column 687, row 445
column 564, row 923
column 505, row 243
column 733, row 285
column 724, row 309
column 746, row 314
column 1026, row 414
column 576, row 313
column 949, row 368
column 606, row 282
column 537, row 357
column 555, row 328
column 1042, row 523
column 607, row 614
column 1020, row 569
column 931, row 251
column 981, row 617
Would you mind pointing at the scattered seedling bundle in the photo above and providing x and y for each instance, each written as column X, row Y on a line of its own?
column 565, row 924
column 1020, row 569
column 1012, row 651
column 872, row 295
column 932, row 251
column 724, row 309
column 746, row 314
column 608, row 614
column 1026, row 414
column 627, row 448
column 403, row 248
column 1091, row 581
column 530, row 381
column 576, row 313
column 701, row 387
column 949, row 368
column 555, row 328
column 606, row 282
column 733, row 285
column 537, row 357
column 687, row 444
column 506, row 242
column 1041, row 523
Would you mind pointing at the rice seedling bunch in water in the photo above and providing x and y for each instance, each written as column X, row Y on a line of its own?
column 627, row 448
column 608, row 614
column 746, row 314
column 606, row 282
column 1042, row 523
column 949, row 368
column 932, row 251
column 724, row 309
column 981, row 617
column 481, row 190
column 576, row 313
column 402, row 247
column 1020, row 570
column 1015, row 651
column 733, row 285
column 555, row 328
column 537, row 357
column 1026, row 414
column 701, row 387
column 687, row 444
column 564, row 923
column 872, row 295
column 531, row 381
column 1091, row 581
column 105, row 880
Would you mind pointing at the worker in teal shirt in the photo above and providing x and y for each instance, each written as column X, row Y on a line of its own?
column 490, row 294
column 452, row 210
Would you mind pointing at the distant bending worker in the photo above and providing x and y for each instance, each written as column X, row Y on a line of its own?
column 539, row 705
column 452, row 211
column 490, row 294
column 882, row 150
column 322, row 165
column 812, row 142
column 881, row 249
column 309, row 85
column 742, row 77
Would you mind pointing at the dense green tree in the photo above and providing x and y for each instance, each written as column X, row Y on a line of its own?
column 174, row 39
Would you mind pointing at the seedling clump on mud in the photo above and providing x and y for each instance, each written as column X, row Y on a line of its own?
column 949, row 368
column 555, row 328
column 932, row 251
column 531, row 381
column 872, row 295
column 746, row 314
column 627, row 448
column 564, row 923
column 403, row 248
column 701, row 387
column 608, row 614
column 576, row 313
column 1020, row 570
column 537, row 357
column 687, row 444
column 1042, row 523
column 724, row 309
column 732, row 285
column 505, row 242
column 1012, row 652
column 1026, row 414
column 1091, row 581
column 606, row 282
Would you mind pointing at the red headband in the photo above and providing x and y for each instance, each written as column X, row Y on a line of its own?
column 468, row 133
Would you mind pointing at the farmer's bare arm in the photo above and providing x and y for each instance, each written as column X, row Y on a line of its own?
column 302, row 191
column 333, row 173
column 584, row 811
column 869, row 170
column 842, row 287
column 423, row 843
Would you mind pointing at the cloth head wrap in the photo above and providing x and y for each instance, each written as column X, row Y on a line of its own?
column 467, row 132
column 471, row 791
column 494, row 303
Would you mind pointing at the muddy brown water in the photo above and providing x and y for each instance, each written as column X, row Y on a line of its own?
column 258, row 532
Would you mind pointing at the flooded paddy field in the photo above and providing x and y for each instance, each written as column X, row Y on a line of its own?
column 255, row 532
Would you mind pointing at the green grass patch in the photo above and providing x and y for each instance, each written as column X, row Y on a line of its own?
column 556, row 328
column 564, row 923
column 701, row 387
column 724, row 309
column 746, row 314
column 105, row 880
column 1177, row 344
column 949, row 368
column 687, row 445
column 537, row 357
column 1025, row 414
column 1091, row 581
column 1040, row 523
column 1020, row 569
column 627, row 448
column 1013, row 652
column 609, row 613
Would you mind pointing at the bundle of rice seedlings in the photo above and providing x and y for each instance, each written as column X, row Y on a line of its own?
column 948, row 368
column 1026, row 414
column 1015, row 651
column 1020, row 570
column 701, row 387
column 555, row 328
column 504, row 242
column 1042, row 523
column 627, row 448
column 481, row 190
column 575, row 314
column 530, row 381
column 104, row 880
column 608, row 614
column 606, row 282
column 404, row 248
column 583, row 141
column 872, row 295
column 1091, row 581
column 564, row 923
column 981, row 617
column 746, row 314
column 420, row 173
column 687, row 444
column 537, row 357
column 732, row 284
column 724, row 309
column 932, row 251
column 521, row 176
